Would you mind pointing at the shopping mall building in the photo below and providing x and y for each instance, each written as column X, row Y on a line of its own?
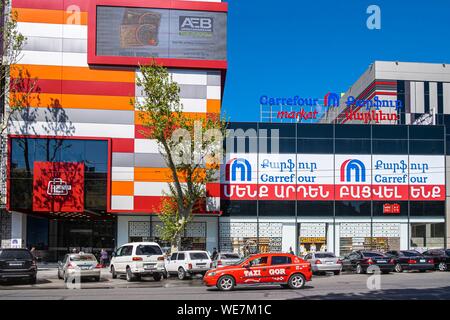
column 369, row 173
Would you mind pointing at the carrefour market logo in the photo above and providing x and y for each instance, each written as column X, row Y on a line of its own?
column 353, row 166
column 238, row 165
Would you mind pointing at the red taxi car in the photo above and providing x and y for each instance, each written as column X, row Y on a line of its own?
column 285, row 269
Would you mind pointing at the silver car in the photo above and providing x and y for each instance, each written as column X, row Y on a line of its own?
column 322, row 262
column 226, row 259
column 83, row 265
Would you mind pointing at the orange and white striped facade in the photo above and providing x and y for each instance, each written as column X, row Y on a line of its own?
column 96, row 99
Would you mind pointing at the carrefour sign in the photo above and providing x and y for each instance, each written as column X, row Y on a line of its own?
column 333, row 177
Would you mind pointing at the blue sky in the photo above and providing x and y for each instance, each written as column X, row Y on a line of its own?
column 308, row 48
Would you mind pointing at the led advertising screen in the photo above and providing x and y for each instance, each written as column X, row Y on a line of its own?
column 333, row 177
column 161, row 33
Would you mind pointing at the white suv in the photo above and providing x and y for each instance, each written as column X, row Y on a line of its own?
column 136, row 260
column 187, row 263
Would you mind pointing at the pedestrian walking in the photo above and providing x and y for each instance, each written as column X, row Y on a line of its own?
column 291, row 251
column 214, row 254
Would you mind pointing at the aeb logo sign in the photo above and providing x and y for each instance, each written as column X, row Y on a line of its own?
column 238, row 168
column 353, row 170
column 196, row 24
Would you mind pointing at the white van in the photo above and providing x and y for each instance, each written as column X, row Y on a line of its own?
column 187, row 263
column 138, row 259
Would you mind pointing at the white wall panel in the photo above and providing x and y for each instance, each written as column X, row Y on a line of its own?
column 48, row 30
column 446, row 92
column 146, row 146
column 420, row 97
column 122, row 173
column 122, row 202
column 213, row 92
column 41, row 58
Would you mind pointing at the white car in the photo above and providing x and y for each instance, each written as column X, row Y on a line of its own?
column 187, row 263
column 136, row 260
column 83, row 265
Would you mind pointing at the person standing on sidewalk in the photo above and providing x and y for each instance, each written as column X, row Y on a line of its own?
column 103, row 258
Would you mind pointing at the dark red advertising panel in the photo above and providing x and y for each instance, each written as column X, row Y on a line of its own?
column 58, row 187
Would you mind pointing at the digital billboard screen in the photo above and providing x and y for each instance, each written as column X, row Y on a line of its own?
column 161, row 33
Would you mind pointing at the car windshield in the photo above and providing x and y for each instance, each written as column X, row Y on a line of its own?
column 411, row 253
column 325, row 255
column 230, row 256
column 148, row 250
column 373, row 255
column 15, row 254
column 198, row 256
column 239, row 261
column 84, row 257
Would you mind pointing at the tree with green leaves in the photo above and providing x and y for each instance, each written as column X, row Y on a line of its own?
column 191, row 148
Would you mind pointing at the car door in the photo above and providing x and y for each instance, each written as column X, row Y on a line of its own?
column 256, row 270
column 172, row 262
column 279, row 268
column 346, row 263
column 118, row 260
column 355, row 259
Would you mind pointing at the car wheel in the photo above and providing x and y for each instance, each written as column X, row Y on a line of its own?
column 296, row 281
column 181, row 274
column 130, row 275
column 113, row 272
column 359, row 269
column 422, row 271
column 96, row 279
column 442, row 266
column 225, row 283
column 157, row 277
column 385, row 272
column 33, row 280
column 336, row 273
column 398, row 268
column 59, row 275
column 165, row 275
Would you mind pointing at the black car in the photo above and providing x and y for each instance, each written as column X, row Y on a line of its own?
column 441, row 258
column 366, row 261
column 17, row 264
column 410, row 260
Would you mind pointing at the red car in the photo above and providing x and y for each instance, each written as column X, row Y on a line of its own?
column 285, row 269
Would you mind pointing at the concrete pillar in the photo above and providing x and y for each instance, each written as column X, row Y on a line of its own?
column 212, row 236
column 337, row 238
column 19, row 228
column 289, row 237
column 404, row 236
column 330, row 237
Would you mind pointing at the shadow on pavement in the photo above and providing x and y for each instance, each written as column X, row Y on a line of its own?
column 442, row 293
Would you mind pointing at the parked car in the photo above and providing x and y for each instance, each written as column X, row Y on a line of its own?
column 225, row 259
column 17, row 264
column 84, row 265
column 284, row 269
column 363, row 261
column 441, row 258
column 138, row 259
column 324, row 262
column 410, row 260
column 188, row 263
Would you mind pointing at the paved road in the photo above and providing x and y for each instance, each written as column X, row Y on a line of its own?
column 432, row 285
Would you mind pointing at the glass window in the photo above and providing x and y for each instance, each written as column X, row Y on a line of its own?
column 285, row 130
column 426, row 132
column 390, row 146
column 84, row 257
column 277, row 260
column 261, row 261
column 372, row 255
column 198, row 256
column 314, row 208
column 238, row 208
column 173, row 256
column 352, row 131
column 18, row 254
column 127, row 251
column 427, row 208
column 273, row 208
column 73, row 150
column 352, row 146
column 314, row 145
column 353, row 208
column 389, row 132
column 314, row 130
column 180, row 256
column 426, row 147
column 427, row 235
column 324, row 255
column 147, row 250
